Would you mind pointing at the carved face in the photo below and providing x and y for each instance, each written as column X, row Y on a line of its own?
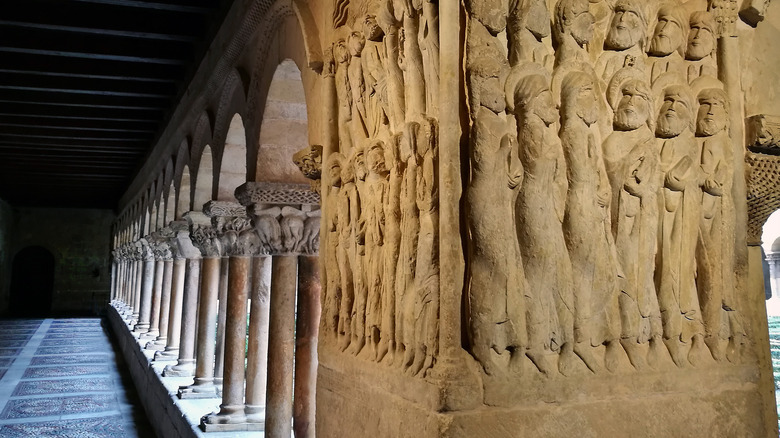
column 668, row 36
column 586, row 104
column 701, row 41
column 545, row 108
column 712, row 116
column 360, row 165
column 675, row 116
column 633, row 110
column 376, row 160
column 371, row 29
column 537, row 19
column 341, row 52
column 356, row 43
column 334, row 173
column 582, row 22
column 627, row 28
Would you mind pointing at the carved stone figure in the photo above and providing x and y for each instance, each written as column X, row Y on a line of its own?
column 357, row 86
column 631, row 162
column 268, row 229
column 359, row 265
column 311, row 232
column 391, row 27
column 348, row 213
column 624, row 43
column 539, row 215
column 700, row 53
column 573, row 31
column 680, row 199
column 496, row 282
column 528, row 26
column 669, row 41
column 375, row 75
column 392, row 244
column 374, row 216
column 428, row 37
column 344, row 95
column 586, row 225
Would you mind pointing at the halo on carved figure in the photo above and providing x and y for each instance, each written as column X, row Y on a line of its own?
column 671, row 79
column 619, row 79
column 516, row 74
column 705, row 82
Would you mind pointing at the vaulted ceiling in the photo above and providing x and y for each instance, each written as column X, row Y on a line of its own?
column 85, row 88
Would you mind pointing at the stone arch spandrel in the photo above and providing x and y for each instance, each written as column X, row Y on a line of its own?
column 204, row 179
column 183, row 193
column 232, row 171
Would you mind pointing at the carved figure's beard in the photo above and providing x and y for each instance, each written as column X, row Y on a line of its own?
column 670, row 125
column 698, row 50
column 620, row 38
column 661, row 45
column 628, row 118
column 589, row 114
column 708, row 126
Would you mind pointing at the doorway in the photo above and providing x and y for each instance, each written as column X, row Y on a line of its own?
column 32, row 282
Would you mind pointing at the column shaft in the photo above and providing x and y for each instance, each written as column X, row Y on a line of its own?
column 147, row 286
column 306, row 332
column 219, row 354
column 137, row 281
column 186, row 362
column 257, row 350
column 175, row 309
column 281, row 345
column 165, row 305
column 154, row 315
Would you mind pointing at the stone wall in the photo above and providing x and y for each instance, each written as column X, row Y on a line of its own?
column 79, row 239
column 6, row 221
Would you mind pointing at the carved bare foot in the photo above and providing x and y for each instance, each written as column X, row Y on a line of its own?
column 567, row 360
column 699, row 355
column 408, row 357
column 382, row 349
column 611, row 356
column 585, row 352
column 658, row 356
column 734, row 349
column 344, row 342
column 675, row 350
column 419, row 361
column 631, row 346
column 484, row 356
column 539, row 358
column 516, row 360
column 357, row 345
column 713, row 343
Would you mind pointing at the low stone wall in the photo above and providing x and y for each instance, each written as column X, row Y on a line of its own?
column 163, row 413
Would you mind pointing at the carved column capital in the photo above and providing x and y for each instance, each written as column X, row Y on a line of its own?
column 726, row 13
column 283, row 216
column 309, row 161
column 202, row 235
column 144, row 249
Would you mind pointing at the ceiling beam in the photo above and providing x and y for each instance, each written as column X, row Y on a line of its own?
column 101, row 31
column 82, row 55
column 151, row 5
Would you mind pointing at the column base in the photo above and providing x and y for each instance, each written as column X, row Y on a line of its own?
column 149, row 335
column 196, row 391
column 166, row 354
column 254, row 413
column 238, row 427
column 155, row 345
column 186, row 369
column 229, row 419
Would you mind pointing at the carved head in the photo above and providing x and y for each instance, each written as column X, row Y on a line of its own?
column 371, row 28
column 375, row 158
column 409, row 141
column 533, row 97
column 392, row 154
column 333, row 169
column 578, row 97
column 426, row 139
column 340, row 51
column 633, row 109
column 628, row 25
column 671, row 31
column 713, row 114
column 701, row 38
column 531, row 15
column 676, row 112
column 356, row 43
column 573, row 18
column 485, row 84
column 359, row 163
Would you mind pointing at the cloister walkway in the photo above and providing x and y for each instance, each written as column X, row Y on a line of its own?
column 61, row 378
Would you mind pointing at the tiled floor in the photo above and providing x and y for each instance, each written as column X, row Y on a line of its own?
column 60, row 378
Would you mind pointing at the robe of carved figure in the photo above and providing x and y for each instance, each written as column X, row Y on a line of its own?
column 426, row 280
column 268, row 229
column 680, row 201
column 540, row 210
column 410, row 60
column 348, row 212
column 344, row 96
column 357, row 86
column 496, row 282
column 573, row 31
column 392, row 245
column 624, row 42
column 631, row 162
column 428, row 37
column 700, row 54
column 359, row 265
column 528, row 29
column 669, row 41
column 334, row 293
column 586, row 225
column 373, row 210
column 395, row 76
column 715, row 254
column 407, row 253
column 375, row 76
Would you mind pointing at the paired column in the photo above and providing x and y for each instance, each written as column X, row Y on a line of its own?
column 178, row 272
column 146, row 280
column 164, row 252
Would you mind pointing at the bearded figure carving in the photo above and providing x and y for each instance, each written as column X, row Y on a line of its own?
column 631, row 162
column 528, row 29
column 574, row 27
column 669, row 41
column 700, row 53
column 625, row 39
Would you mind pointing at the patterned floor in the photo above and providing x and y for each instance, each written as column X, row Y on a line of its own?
column 59, row 378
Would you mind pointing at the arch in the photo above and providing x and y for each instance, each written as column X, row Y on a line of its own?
column 183, row 202
column 160, row 211
column 170, row 204
column 284, row 126
column 232, row 171
column 32, row 282
column 203, row 180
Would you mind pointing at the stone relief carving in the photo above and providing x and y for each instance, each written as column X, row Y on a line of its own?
column 599, row 200
column 380, row 206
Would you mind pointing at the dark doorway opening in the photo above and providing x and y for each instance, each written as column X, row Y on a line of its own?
column 32, row 282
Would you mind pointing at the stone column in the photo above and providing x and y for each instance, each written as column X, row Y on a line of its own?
column 306, row 332
column 244, row 242
column 147, row 284
column 138, row 275
column 257, row 350
column 185, row 365
column 219, row 353
column 159, row 274
column 165, row 295
column 205, row 238
column 178, row 270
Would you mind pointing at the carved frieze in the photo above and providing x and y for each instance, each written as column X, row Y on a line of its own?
column 276, row 194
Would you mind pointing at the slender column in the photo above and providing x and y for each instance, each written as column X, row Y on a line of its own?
column 232, row 407
column 165, row 306
column 281, row 344
column 219, row 353
column 154, row 314
column 257, row 350
column 185, row 365
column 171, row 350
column 147, row 285
column 137, row 282
column 306, row 332
column 113, row 293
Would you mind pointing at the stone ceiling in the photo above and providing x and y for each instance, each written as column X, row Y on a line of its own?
column 86, row 86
